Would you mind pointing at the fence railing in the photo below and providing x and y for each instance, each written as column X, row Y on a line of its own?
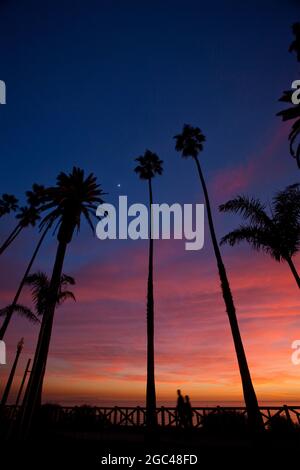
column 136, row 416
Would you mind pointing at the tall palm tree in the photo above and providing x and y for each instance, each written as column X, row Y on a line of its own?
column 190, row 144
column 8, row 203
column 149, row 165
column 277, row 234
column 28, row 215
column 73, row 196
column 293, row 112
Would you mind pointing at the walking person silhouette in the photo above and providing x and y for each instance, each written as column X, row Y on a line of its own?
column 188, row 412
column 180, row 409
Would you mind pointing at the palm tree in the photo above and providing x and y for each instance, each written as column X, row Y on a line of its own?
column 277, row 234
column 35, row 199
column 40, row 290
column 294, row 112
column 28, row 215
column 8, row 203
column 190, row 144
column 149, row 166
column 8, row 311
column 73, row 196
column 12, row 373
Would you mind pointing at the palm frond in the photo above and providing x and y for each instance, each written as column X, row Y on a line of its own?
column 40, row 290
column 72, row 196
column 258, row 238
column 65, row 295
column 21, row 310
column 249, row 208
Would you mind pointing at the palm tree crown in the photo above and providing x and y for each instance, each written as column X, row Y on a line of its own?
column 36, row 196
column 40, row 290
column 288, row 114
column 277, row 234
column 8, row 203
column 73, row 196
column 190, row 141
column 28, row 215
column 293, row 112
column 149, row 165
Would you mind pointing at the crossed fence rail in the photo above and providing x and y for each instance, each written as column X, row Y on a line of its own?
column 136, row 416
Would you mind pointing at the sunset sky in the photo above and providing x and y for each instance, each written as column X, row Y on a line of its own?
column 95, row 83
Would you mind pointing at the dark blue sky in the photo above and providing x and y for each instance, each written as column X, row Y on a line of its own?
column 94, row 83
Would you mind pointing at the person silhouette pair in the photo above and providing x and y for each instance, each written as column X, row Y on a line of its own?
column 184, row 411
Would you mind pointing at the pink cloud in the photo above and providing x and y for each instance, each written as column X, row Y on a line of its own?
column 98, row 345
column 253, row 169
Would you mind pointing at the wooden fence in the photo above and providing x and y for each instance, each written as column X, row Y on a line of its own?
column 136, row 416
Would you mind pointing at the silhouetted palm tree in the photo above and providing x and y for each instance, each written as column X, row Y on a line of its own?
column 39, row 283
column 10, row 309
column 73, row 196
column 293, row 112
column 12, row 373
column 149, row 166
column 40, row 290
column 277, row 234
column 28, row 215
column 190, row 144
column 8, row 203
column 36, row 200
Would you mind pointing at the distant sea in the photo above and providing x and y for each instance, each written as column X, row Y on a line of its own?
column 167, row 403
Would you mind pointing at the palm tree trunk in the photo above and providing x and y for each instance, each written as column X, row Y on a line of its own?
column 294, row 271
column 16, row 298
column 35, row 382
column 12, row 374
column 11, row 237
column 150, row 392
column 254, row 416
